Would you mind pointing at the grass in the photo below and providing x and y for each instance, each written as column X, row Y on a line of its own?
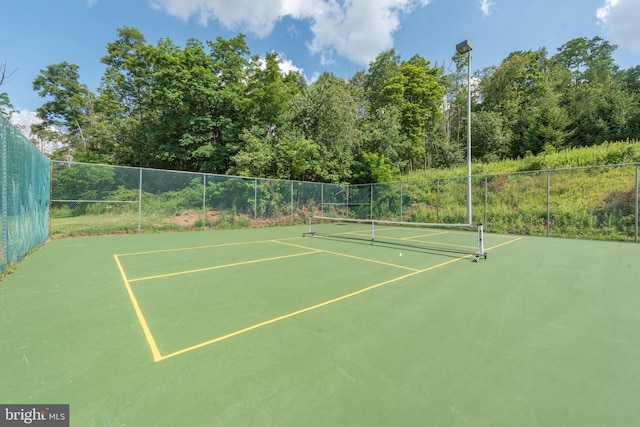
column 88, row 225
column 611, row 153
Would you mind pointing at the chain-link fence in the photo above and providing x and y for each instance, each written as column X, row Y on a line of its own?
column 590, row 203
column 599, row 203
column 92, row 199
column 24, row 195
column 39, row 198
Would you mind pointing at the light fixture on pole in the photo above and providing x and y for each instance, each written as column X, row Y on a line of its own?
column 462, row 48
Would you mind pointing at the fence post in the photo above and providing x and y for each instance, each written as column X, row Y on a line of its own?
column 348, row 198
column 204, row 201
column 291, row 202
column 371, row 207
column 140, row 203
column 637, row 190
column 401, row 201
column 255, row 202
column 548, row 203
column 438, row 200
column 321, row 199
column 486, row 198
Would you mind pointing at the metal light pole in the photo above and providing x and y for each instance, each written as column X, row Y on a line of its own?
column 465, row 47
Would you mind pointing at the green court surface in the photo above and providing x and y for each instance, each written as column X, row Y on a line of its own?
column 265, row 327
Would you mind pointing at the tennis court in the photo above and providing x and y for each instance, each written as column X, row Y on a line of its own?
column 270, row 327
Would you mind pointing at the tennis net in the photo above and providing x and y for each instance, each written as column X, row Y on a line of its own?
column 455, row 238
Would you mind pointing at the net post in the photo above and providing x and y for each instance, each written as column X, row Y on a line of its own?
column 481, row 252
column 373, row 231
column 309, row 231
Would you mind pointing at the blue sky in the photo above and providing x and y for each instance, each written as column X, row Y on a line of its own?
column 313, row 36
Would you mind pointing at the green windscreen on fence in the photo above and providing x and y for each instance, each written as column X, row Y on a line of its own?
column 24, row 195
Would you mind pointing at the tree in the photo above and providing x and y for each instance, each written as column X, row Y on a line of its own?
column 454, row 124
column 5, row 103
column 68, row 108
column 599, row 113
column 175, row 108
column 124, row 98
column 523, row 90
column 371, row 168
column 297, row 158
column 422, row 95
column 382, row 134
column 383, row 82
column 594, row 96
column 229, row 107
column 257, row 158
column 407, row 98
column 588, row 60
column 212, row 107
column 488, row 136
column 631, row 81
column 326, row 114
column 269, row 93
column 267, row 101
column 182, row 99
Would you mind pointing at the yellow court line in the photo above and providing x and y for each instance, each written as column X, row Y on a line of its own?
column 219, row 245
column 423, row 235
column 348, row 256
column 306, row 310
column 143, row 322
column 217, row 267
column 157, row 356
column 504, row 243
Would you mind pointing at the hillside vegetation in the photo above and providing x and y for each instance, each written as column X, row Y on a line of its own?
column 609, row 153
column 586, row 192
column 579, row 193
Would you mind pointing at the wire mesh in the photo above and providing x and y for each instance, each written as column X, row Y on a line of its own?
column 24, row 195
column 90, row 199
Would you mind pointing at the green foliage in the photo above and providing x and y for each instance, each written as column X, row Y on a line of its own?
column 584, row 202
column 214, row 107
column 326, row 116
column 489, row 140
column 82, row 182
column 69, row 108
column 609, row 153
column 372, row 168
column 5, row 104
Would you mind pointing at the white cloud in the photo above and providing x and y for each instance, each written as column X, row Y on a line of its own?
column 619, row 19
column 258, row 17
column 355, row 29
column 314, row 77
column 287, row 66
column 23, row 119
column 359, row 30
column 486, row 6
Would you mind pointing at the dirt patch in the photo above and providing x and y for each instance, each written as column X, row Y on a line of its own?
column 189, row 219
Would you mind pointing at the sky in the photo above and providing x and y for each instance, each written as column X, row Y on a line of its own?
column 312, row 36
